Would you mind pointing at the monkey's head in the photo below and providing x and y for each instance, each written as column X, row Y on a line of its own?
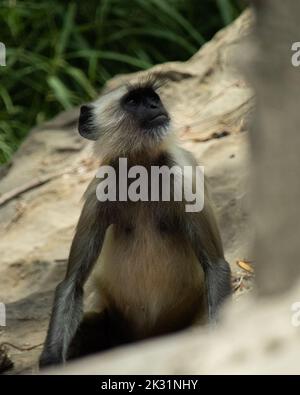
column 129, row 120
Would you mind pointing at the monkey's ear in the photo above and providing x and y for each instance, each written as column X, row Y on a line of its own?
column 85, row 123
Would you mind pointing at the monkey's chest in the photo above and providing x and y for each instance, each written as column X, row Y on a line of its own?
column 154, row 283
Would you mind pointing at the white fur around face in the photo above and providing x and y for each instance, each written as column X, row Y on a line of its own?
column 118, row 133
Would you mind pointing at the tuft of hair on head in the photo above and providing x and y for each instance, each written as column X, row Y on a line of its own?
column 154, row 81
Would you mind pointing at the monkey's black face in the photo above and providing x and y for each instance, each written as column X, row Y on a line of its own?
column 128, row 120
column 145, row 108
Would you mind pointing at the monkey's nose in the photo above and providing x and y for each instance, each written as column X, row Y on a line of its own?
column 152, row 103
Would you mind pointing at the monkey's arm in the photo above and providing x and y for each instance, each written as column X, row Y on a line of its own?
column 206, row 243
column 203, row 234
column 68, row 300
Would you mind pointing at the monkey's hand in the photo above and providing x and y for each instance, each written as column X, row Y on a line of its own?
column 218, row 283
column 50, row 357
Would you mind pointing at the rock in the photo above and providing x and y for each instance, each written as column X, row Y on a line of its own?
column 211, row 105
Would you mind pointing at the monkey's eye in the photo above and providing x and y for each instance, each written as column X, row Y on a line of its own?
column 154, row 96
column 132, row 101
column 142, row 96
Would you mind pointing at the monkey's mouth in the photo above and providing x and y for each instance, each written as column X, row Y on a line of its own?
column 160, row 119
column 155, row 121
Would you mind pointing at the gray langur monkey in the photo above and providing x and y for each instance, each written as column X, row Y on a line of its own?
column 141, row 268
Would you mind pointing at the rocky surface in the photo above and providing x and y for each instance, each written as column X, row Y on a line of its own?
column 40, row 191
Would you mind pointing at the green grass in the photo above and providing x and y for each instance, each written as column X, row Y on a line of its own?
column 60, row 53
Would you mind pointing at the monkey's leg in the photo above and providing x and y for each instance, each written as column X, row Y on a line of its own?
column 93, row 335
column 98, row 332
column 68, row 301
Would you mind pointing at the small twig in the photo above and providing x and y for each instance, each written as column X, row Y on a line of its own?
column 69, row 149
column 6, row 197
column 7, row 344
column 239, row 283
column 41, row 180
